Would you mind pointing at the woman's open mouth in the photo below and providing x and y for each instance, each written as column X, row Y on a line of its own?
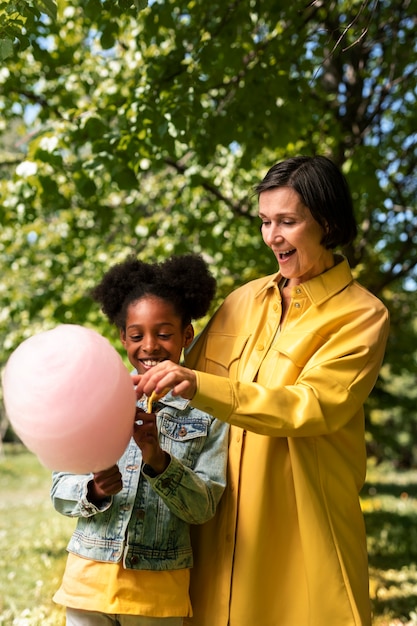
column 283, row 256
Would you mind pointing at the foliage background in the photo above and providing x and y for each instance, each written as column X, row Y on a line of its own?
column 131, row 128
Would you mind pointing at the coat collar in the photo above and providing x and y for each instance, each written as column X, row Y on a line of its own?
column 320, row 288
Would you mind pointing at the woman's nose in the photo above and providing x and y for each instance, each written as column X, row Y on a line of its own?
column 272, row 235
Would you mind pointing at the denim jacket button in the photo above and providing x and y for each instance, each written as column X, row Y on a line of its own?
column 140, row 513
column 182, row 431
column 131, row 468
column 134, row 560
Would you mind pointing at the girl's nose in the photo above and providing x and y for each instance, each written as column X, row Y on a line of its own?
column 149, row 344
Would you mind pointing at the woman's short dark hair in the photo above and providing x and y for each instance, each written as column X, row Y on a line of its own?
column 323, row 189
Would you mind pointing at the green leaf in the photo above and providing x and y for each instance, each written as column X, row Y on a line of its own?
column 49, row 7
column 6, row 48
column 141, row 4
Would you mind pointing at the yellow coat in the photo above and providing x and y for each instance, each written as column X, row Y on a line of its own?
column 287, row 546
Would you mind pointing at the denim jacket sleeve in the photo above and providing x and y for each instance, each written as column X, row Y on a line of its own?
column 192, row 493
column 69, row 495
column 193, row 482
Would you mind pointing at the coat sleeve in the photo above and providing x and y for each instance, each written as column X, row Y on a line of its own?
column 329, row 389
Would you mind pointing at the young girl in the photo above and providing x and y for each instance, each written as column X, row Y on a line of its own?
column 130, row 554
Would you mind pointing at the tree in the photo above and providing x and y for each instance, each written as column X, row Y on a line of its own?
column 18, row 18
column 149, row 130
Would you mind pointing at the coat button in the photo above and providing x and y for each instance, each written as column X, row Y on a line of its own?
column 182, row 431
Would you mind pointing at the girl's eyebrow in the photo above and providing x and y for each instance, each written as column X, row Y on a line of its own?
column 138, row 326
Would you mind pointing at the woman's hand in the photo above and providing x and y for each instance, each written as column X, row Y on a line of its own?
column 167, row 375
column 145, row 433
column 104, row 484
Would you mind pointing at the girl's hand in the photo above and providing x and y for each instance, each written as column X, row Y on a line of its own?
column 167, row 375
column 104, row 484
column 145, row 433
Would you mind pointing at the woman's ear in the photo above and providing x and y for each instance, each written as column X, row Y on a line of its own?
column 188, row 335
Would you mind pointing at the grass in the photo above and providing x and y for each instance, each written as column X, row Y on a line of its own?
column 389, row 502
column 33, row 539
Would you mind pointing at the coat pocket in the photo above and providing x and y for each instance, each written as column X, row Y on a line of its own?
column 223, row 352
column 298, row 347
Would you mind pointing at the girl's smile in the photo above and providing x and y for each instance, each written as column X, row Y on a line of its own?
column 154, row 333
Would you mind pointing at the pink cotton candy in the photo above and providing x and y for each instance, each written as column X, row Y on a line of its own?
column 70, row 399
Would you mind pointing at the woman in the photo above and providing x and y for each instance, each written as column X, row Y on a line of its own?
column 289, row 361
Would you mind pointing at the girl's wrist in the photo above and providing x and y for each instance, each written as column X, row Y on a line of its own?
column 154, row 467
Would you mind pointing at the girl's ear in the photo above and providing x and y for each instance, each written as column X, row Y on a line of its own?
column 188, row 335
column 122, row 334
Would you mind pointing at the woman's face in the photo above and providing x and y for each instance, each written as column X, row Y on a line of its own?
column 154, row 333
column 293, row 235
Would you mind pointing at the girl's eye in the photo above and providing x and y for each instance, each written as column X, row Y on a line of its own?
column 164, row 336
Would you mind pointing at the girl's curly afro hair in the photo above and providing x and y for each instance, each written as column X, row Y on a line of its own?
column 184, row 281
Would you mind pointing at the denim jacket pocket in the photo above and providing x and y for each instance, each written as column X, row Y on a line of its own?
column 183, row 438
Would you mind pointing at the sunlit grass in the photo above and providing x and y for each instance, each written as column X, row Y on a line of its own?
column 389, row 502
column 33, row 539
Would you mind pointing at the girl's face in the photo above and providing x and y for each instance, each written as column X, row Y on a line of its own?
column 154, row 333
column 293, row 235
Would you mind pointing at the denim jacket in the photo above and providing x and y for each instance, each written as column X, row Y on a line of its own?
column 147, row 524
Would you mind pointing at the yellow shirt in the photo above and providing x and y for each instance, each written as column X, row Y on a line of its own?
column 110, row 588
column 287, row 546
